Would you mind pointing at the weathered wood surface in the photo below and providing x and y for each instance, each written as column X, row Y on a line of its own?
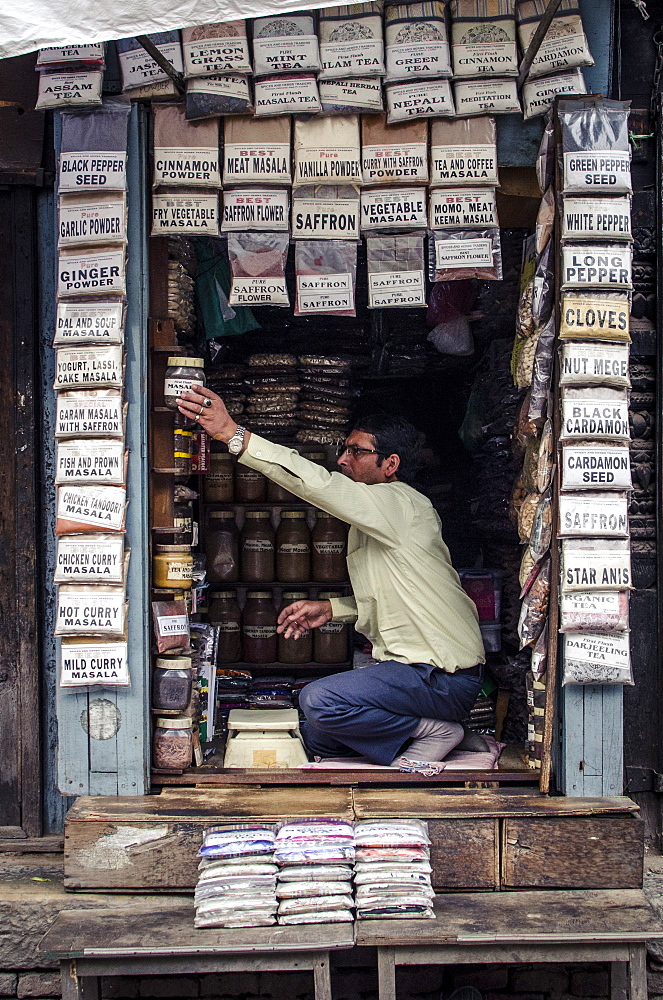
column 465, row 853
column 218, row 777
column 576, row 853
column 148, row 931
column 376, row 803
column 577, row 917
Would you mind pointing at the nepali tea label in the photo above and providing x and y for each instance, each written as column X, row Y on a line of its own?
column 81, row 415
column 83, row 223
column 596, row 218
column 393, row 209
column 454, row 165
column 392, row 289
column 255, row 210
column 595, row 515
column 595, row 317
column 594, row 364
column 96, row 272
column 463, row 209
column 325, row 218
column 249, row 162
column 102, row 663
column 187, row 167
column 88, row 368
column 397, row 163
column 605, row 171
column 591, row 467
column 89, row 559
column 104, row 170
column 596, row 267
column 89, row 323
column 194, row 214
column 419, row 100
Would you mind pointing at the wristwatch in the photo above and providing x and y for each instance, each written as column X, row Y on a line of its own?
column 236, row 442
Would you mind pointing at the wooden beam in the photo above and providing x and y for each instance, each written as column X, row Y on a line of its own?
column 164, row 63
column 537, row 38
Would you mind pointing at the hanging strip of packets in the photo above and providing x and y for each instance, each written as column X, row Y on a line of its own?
column 91, row 458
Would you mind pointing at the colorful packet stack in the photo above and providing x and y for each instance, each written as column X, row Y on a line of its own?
column 237, row 882
column 271, row 692
column 392, row 871
column 315, row 859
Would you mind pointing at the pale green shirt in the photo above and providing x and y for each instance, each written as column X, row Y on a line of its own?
column 408, row 600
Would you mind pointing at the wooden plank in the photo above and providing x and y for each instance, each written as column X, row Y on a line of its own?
column 377, row 803
column 637, row 972
column 572, row 917
column 613, row 747
column 511, row 953
column 218, row 777
column 47, row 845
column 573, row 852
column 464, row 853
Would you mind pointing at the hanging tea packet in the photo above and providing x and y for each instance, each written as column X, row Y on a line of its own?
column 213, row 49
column 327, row 151
column 255, row 210
column 591, row 658
column 139, row 69
column 600, row 316
column 426, row 99
column 595, row 146
column 287, row 95
column 351, row 96
column 396, row 271
column 53, row 55
column 212, row 96
column 326, row 276
column 465, row 254
column 351, row 42
column 180, row 212
column 594, row 611
column 66, row 89
column 393, row 154
column 325, row 212
column 587, row 515
column 539, row 94
column 285, row 44
column 92, row 219
column 483, row 38
column 564, row 44
column 257, row 262
column 96, row 461
column 416, row 41
column 93, row 149
column 185, row 153
column 486, row 97
column 463, row 152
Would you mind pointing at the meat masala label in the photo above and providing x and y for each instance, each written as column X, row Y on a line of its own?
column 254, row 162
column 462, row 209
column 103, row 663
column 185, row 214
column 251, row 209
column 585, row 516
column 80, row 323
column 325, row 219
column 91, row 171
column 452, row 165
column 387, row 163
column 189, row 167
column 393, row 208
column 90, row 222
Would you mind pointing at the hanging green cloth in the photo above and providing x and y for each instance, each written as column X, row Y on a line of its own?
column 212, row 291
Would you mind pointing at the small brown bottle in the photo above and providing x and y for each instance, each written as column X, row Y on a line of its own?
column 250, row 486
column 257, row 547
column 225, row 614
column 222, row 547
column 330, row 641
column 293, row 548
column 295, row 650
column 259, row 639
column 218, row 482
column 329, row 549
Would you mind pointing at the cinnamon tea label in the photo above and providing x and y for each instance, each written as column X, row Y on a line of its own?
column 81, row 612
column 390, row 289
column 596, row 267
column 88, row 367
column 595, row 317
column 484, row 49
column 395, row 163
column 593, row 515
column 594, row 467
column 79, row 415
column 90, row 222
column 453, row 165
column 104, row 663
column 596, row 217
column 100, row 506
column 325, row 218
column 185, row 214
column 255, row 209
column 393, row 208
column 95, row 272
column 89, row 558
column 244, row 163
column 83, row 323
column 320, row 293
column 104, row 170
column 594, row 364
column 462, row 209
column 93, row 461
column 187, row 167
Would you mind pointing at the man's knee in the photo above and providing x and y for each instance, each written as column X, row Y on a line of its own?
column 314, row 701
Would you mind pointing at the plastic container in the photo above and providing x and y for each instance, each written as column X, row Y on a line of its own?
column 172, row 682
column 484, row 586
column 173, row 744
column 181, row 374
column 492, row 637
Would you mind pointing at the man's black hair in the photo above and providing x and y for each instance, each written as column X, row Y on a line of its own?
column 394, row 436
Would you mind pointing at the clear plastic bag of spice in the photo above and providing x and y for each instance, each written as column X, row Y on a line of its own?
column 545, row 459
column 470, row 253
column 594, row 611
column 544, row 286
column 171, row 626
column 526, row 516
column 534, row 607
column 545, row 160
column 539, row 663
column 395, row 271
column 542, row 373
column 257, row 261
column 326, row 274
column 541, row 533
column 595, row 144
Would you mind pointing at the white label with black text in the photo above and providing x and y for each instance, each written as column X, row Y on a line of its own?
column 364, row 94
column 584, row 569
column 452, row 254
column 208, row 56
column 197, row 213
column 596, row 217
column 417, row 100
column 463, row 209
column 103, row 170
column 393, row 208
column 258, row 292
column 101, row 506
column 139, row 68
column 89, row 223
column 79, row 415
column 251, row 209
column 93, row 273
column 104, row 663
column 188, row 167
column 453, row 165
column 80, row 612
column 595, row 515
column 596, row 267
column 396, row 288
column 325, row 219
column 88, row 368
column 320, row 293
column 591, row 468
column 599, row 419
column 352, row 58
column 90, row 558
column 250, row 162
column 603, row 170
column 323, row 164
column 406, row 162
column 94, row 461
column 594, row 364
column 96, row 322
column 283, row 97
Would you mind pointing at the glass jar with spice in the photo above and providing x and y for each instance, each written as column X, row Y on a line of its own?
column 182, row 446
column 172, row 567
column 181, row 374
column 172, row 744
column 250, row 485
column 259, row 639
column 224, row 613
column 329, row 540
column 218, row 482
column 172, row 683
column 222, row 547
column 295, row 650
column 330, row 641
column 293, row 547
column 257, row 547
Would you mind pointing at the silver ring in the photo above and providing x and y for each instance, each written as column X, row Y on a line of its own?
column 200, row 410
column 207, row 403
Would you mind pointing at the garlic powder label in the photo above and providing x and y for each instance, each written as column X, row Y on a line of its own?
column 90, row 222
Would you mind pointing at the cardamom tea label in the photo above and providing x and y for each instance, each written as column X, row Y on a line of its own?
column 596, row 217
column 390, row 289
column 187, row 167
column 594, row 467
column 101, row 170
column 100, row 506
column 594, row 364
column 595, row 317
column 95, row 272
column 462, row 209
column 563, row 48
column 89, row 559
column 247, row 162
column 89, row 323
column 393, row 208
column 103, row 663
column 593, row 515
column 80, row 612
column 89, row 416
column 255, row 210
column 607, row 171
column 93, row 461
column 596, row 267
column 198, row 213
column 88, row 368
column 452, row 165
column 90, row 222
column 390, row 164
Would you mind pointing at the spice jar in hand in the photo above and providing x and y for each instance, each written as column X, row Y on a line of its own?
column 295, row 650
column 257, row 547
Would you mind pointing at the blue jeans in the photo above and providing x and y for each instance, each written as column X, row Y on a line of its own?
column 375, row 710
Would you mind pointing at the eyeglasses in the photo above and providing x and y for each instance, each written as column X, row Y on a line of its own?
column 355, row 451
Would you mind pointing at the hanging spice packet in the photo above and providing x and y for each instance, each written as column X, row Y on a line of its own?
column 139, row 69
column 542, row 373
column 585, row 515
column 594, row 364
column 287, row 95
column 54, row 55
column 596, row 266
column 326, row 275
column 543, row 291
column 89, row 368
column 591, row 467
column 416, row 41
column 539, row 95
column 325, row 212
column 486, row 97
column 593, row 217
column 596, row 564
column 95, row 413
column 171, row 626
column 93, row 662
column 395, row 271
column 327, row 151
column 213, row 49
column 94, row 610
column 285, row 44
column 256, row 150
column 545, row 220
column 90, row 559
column 595, row 146
column 600, row 316
column 594, row 611
column 465, row 254
column 90, row 509
column 463, row 152
column 91, row 461
column 599, row 413
column 426, row 99
column 596, row 659
column 393, row 154
column 564, row 44
column 93, row 148
column 60, row 90
column 255, row 210
column 351, row 96
column 545, row 159
column 78, row 323
column 182, row 213
column 351, row 42
column 534, row 607
column 483, row 38
column 86, row 220
column 393, row 208
column 463, row 209
column 212, row 96
column 258, row 263
column 95, row 272
column 184, row 153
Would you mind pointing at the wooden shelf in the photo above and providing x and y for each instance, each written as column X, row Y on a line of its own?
column 267, row 505
column 227, row 585
column 168, row 349
column 167, row 472
column 285, row 667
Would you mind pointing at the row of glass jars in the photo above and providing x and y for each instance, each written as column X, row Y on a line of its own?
column 228, row 481
column 291, row 554
column 250, row 635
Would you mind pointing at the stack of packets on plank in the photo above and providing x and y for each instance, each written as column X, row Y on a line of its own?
column 393, row 870
column 237, row 882
column 315, row 859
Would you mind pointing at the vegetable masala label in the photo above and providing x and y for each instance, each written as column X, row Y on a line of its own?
column 248, row 210
column 80, row 323
column 595, row 317
column 462, row 209
column 596, row 217
column 452, row 165
column 599, row 515
column 92, row 273
column 396, row 288
column 320, row 293
column 596, row 267
column 189, row 167
column 387, row 209
column 105, row 170
column 407, row 162
column 90, row 222
column 94, row 558
column 185, row 214
column 100, row 663
column 269, row 163
column 326, row 219
column 101, row 506
column 603, row 170
column 586, row 467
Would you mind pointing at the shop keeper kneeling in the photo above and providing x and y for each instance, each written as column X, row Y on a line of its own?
column 405, row 710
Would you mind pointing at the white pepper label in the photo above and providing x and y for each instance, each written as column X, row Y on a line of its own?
column 82, row 323
column 451, row 165
column 104, row 663
column 188, row 167
column 596, row 217
column 88, row 368
column 93, row 171
column 91, row 558
column 185, row 214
